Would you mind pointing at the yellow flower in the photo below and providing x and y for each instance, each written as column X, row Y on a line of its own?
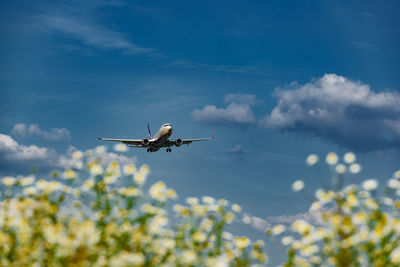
column 331, row 158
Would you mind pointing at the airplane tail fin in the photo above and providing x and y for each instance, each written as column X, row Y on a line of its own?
column 148, row 130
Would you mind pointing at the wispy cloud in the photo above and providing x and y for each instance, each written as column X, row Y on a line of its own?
column 239, row 111
column 55, row 134
column 90, row 33
column 341, row 110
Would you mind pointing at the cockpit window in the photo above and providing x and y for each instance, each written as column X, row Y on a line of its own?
column 166, row 124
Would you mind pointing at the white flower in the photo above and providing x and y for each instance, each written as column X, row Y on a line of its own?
column 9, row 181
column 355, row 168
column 31, row 190
column 370, row 184
column 395, row 255
column 208, row 200
column 246, row 219
column 397, row 174
column 298, row 185
column 331, row 158
column 157, row 191
column 287, row 240
column 312, row 159
column 188, row 257
column 77, row 155
column 236, row 208
column 278, row 229
column 394, row 183
column 129, row 169
column 96, row 170
column 120, row 147
column 70, row 174
column 100, row 149
column 192, row 200
column 349, row 157
column 27, row 180
column 340, row 168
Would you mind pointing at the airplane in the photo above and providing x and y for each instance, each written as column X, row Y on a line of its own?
column 161, row 139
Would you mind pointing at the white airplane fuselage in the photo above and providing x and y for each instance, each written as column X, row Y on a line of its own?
column 161, row 137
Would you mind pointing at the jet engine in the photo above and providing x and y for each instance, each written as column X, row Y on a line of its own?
column 145, row 142
column 178, row 142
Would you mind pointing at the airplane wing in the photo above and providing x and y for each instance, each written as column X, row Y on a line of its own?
column 124, row 141
column 188, row 141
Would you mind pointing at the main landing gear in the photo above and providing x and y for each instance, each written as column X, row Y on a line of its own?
column 168, row 150
column 148, row 150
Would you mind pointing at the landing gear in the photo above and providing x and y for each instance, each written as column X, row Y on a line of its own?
column 148, row 150
column 168, row 150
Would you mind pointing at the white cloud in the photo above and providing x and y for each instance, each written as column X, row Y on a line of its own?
column 55, row 134
column 16, row 158
column 338, row 109
column 239, row 110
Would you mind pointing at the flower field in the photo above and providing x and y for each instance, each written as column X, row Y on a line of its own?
column 97, row 214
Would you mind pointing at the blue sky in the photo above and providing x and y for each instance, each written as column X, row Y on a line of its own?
column 274, row 80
